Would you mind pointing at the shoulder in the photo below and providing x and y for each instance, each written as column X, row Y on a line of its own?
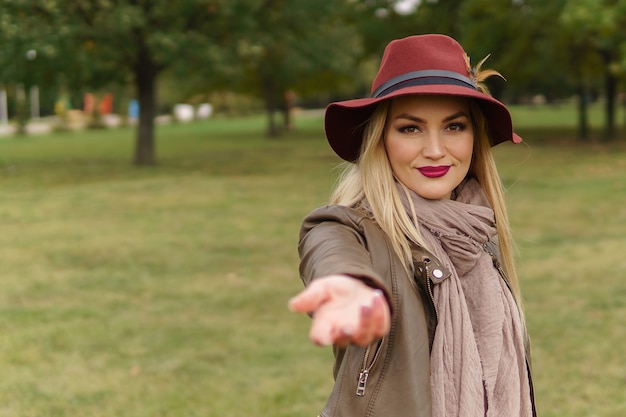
column 343, row 215
column 342, row 226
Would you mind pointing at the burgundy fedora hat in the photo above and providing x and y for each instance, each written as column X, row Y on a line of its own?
column 422, row 64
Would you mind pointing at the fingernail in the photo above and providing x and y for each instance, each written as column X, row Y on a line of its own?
column 366, row 310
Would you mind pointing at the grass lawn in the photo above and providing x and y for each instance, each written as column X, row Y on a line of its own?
column 162, row 291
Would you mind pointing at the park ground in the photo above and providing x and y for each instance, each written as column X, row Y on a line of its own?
column 162, row 291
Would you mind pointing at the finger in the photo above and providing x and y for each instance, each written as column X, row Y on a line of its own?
column 365, row 335
column 309, row 299
column 328, row 328
column 343, row 338
column 375, row 321
column 380, row 318
column 322, row 330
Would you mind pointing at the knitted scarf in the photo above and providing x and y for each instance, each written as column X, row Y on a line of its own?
column 478, row 365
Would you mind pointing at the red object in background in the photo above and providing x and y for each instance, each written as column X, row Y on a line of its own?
column 106, row 104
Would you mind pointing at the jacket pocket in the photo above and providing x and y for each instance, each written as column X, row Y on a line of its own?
column 370, row 357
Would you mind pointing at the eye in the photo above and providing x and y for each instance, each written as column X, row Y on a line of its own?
column 409, row 129
column 456, row 127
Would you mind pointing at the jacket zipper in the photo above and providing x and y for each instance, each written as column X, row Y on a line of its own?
column 365, row 370
column 496, row 264
column 432, row 297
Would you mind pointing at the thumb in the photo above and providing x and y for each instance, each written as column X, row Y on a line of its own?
column 309, row 299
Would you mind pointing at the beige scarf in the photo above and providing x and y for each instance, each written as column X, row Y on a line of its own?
column 478, row 365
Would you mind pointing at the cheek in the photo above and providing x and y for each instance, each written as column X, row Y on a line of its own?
column 465, row 151
column 399, row 151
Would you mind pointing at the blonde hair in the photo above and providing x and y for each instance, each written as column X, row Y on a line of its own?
column 371, row 179
column 483, row 168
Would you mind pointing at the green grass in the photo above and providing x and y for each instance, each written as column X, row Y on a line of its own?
column 162, row 291
column 560, row 115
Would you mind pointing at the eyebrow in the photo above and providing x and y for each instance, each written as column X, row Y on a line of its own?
column 420, row 120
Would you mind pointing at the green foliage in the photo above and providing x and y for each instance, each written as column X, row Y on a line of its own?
column 99, row 43
column 525, row 45
column 26, row 48
column 299, row 44
column 320, row 50
column 597, row 30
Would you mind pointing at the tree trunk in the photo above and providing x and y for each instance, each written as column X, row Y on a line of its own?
column 22, row 109
column 610, row 93
column 581, row 90
column 610, row 85
column 146, row 72
column 272, row 129
column 583, row 122
column 623, row 102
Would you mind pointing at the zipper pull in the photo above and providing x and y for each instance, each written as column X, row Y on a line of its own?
column 360, row 388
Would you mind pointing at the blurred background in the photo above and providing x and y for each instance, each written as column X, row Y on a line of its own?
column 157, row 157
column 108, row 62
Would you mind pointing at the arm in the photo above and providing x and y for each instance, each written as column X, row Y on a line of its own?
column 343, row 293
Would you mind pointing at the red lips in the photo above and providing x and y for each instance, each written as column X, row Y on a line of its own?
column 434, row 172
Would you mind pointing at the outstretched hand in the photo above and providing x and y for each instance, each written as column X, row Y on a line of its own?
column 344, row 311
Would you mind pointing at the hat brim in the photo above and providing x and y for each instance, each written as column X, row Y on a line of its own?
column 344, row 121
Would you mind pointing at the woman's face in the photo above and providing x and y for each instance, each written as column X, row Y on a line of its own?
column 429, row 141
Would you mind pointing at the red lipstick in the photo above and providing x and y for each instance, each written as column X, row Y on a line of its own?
column 434, row 172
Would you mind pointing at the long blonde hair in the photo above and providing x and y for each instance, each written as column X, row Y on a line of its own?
column 371, row 179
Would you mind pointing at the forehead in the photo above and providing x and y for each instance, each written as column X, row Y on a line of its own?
column 429, row 103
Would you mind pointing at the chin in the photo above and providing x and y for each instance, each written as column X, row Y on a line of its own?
column 431, row 190
column 434, row 196
column 438, row 197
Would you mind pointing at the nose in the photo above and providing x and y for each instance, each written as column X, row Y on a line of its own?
column 433, row 147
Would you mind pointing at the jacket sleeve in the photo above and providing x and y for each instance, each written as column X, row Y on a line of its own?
column 332, row 241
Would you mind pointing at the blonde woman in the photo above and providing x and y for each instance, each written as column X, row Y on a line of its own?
column 409, row 271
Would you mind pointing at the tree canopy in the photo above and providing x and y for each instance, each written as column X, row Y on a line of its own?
column 270, row 48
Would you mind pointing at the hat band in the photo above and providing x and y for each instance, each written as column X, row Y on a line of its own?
column 426, row 77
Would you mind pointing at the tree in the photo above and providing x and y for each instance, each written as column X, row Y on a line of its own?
column 524, row 44
column 99, row 42
column 25, row 51
column 537, row 53
column 597, row 28
column 293, row 44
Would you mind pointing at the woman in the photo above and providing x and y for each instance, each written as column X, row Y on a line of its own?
column 409, row 273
